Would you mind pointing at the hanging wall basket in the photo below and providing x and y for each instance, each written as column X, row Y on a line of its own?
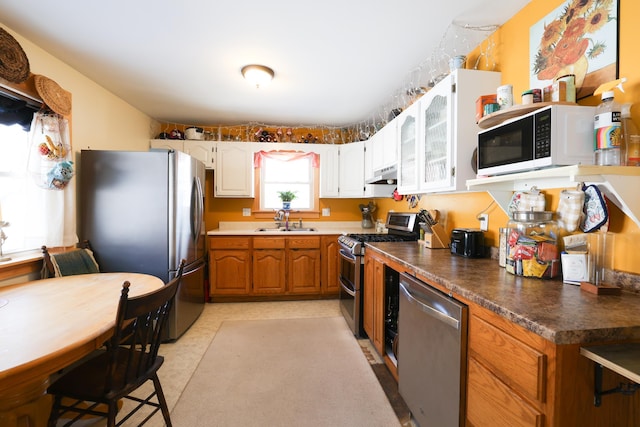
column 56, row 98
column 14, row 64
column 50, row 162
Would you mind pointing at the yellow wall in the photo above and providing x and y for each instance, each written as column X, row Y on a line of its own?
column 512, row 38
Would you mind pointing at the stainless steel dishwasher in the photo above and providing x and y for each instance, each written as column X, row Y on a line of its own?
column 432, row 347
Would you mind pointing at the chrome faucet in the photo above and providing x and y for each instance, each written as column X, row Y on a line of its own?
column 282, row 215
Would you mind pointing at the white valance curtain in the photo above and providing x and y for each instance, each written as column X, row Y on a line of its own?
column 285, row 156
column 51, row 197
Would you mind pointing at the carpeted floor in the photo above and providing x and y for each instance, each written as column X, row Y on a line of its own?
column 284, row 372
column 183, row 357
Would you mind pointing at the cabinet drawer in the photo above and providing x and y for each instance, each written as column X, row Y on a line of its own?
column 268, row 242
column 518, row 365
column 229, row 242
column 490, row 402
column 304, row 242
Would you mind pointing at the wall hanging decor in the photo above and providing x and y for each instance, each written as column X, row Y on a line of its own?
column 55, row 97
column 50, row 162
column 579, row 38
column 14, row 64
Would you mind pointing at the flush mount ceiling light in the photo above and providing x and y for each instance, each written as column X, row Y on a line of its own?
column 257, row 75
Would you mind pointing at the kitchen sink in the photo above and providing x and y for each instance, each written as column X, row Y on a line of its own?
column 290, row 229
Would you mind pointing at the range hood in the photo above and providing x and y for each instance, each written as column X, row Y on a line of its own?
column 387, row 175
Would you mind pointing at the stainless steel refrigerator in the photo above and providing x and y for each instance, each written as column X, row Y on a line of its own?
column 143, row 212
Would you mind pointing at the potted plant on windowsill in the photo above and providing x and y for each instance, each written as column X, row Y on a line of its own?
column 286, row 197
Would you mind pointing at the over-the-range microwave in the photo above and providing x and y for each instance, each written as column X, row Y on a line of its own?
column 554, row 135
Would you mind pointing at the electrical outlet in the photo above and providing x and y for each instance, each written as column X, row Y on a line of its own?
column 484, row 221
column 326, row 211
column 246, row 211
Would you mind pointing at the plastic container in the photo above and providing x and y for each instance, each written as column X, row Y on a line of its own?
column 630, row 148
column 607, row 131
column 532, row 245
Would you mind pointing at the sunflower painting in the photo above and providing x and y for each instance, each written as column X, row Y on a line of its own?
column 581, row 38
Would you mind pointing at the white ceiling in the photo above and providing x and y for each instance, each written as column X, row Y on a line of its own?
column 336, row 61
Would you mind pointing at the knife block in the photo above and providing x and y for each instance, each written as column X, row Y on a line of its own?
column 437, row 238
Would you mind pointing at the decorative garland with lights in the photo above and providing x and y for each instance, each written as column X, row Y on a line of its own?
column 459, row 39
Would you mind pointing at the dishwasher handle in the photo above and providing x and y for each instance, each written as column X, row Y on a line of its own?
column 429, row 309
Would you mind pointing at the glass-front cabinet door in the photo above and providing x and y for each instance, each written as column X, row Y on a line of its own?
column 407, row 129
column 448, row 132
column 435, row 139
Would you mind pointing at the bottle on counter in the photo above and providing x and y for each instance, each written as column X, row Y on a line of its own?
column 630, row 149
column 607, row 131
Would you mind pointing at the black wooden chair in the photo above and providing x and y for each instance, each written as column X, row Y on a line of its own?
column 80, row 260
column 129, row 360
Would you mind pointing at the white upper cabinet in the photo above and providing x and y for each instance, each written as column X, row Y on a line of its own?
column 329, row 170
column 407, row 141
column 375, row 153
column 381, row 150
column 202, row 150
column 234, row 172
column 448, row 133
column 352, row 169
column 205, row 151
column 389, row 135
column 169, row 144
column 368, row 156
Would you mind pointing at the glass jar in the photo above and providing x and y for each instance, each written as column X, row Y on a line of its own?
column 532, row 246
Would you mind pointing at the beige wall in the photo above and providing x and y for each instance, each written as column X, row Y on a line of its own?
column 101, row 120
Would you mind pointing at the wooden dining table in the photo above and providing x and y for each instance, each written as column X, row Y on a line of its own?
column 47, row 325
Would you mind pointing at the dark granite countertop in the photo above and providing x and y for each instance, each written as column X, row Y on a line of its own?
column 558, row 312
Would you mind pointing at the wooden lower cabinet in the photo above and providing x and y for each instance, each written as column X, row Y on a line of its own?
column 374, row 297
column 484, row 391
column 229, row 266
column 329, row 265
column 303, row 265
column 517, row 378
column 277, row 266
column 269, row 265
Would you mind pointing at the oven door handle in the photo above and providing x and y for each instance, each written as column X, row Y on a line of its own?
column 348, row 256
column 346, row 288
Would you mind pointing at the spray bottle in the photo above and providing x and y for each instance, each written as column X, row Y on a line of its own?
column 608, row 126
column 630, row 155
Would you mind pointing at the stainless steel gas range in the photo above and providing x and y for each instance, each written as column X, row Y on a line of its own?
column 402, row 227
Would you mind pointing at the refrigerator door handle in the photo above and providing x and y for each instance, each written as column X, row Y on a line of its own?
column 197, row 196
